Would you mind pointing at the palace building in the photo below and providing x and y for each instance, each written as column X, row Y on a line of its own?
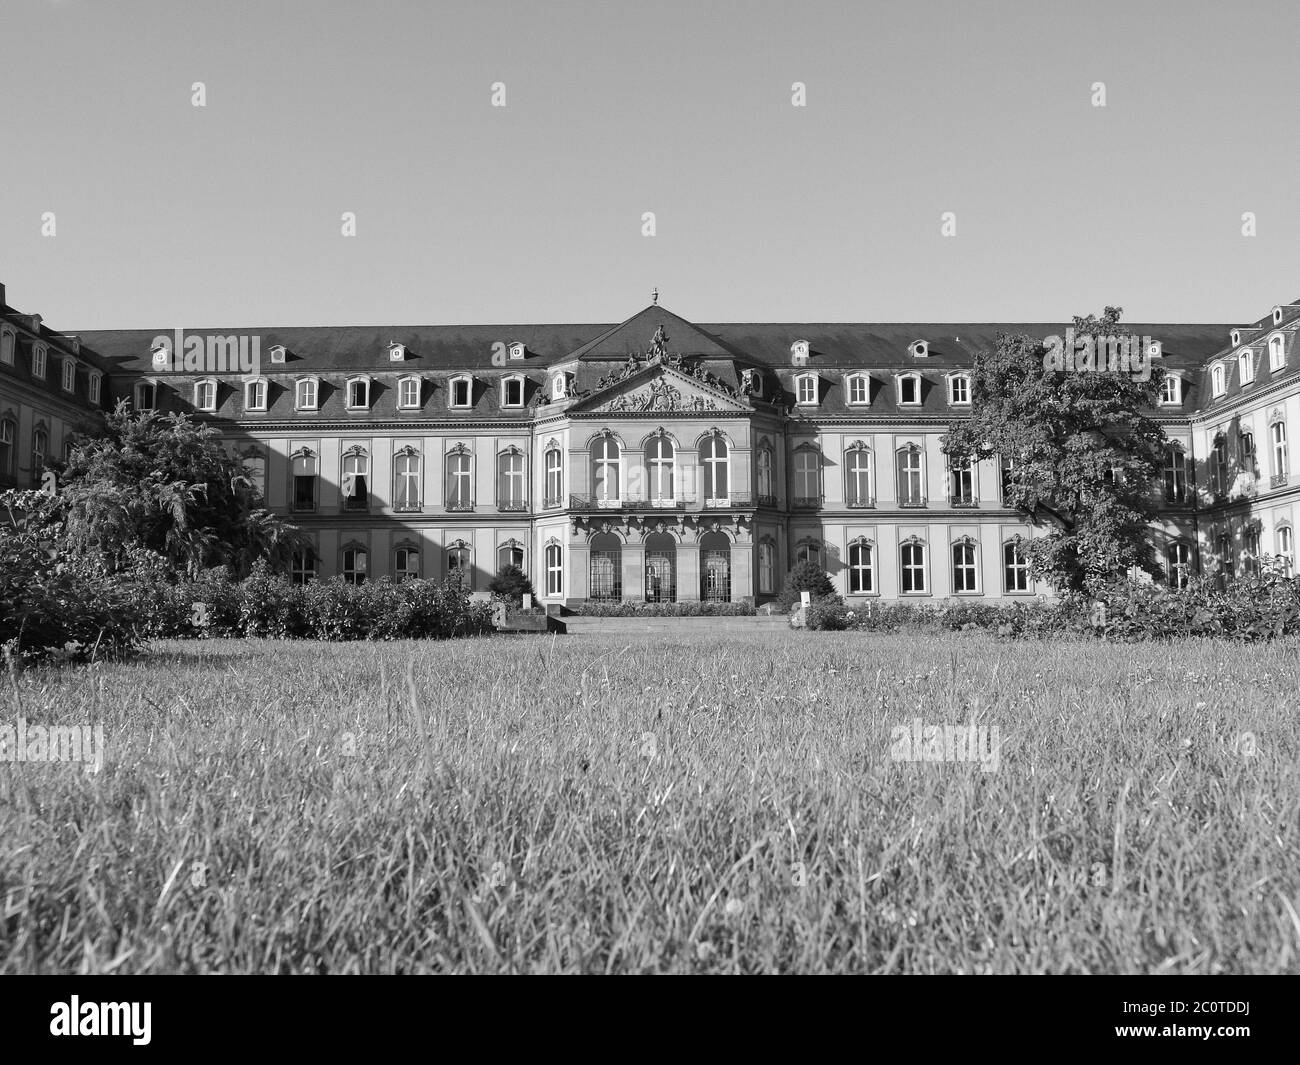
column 660, row 459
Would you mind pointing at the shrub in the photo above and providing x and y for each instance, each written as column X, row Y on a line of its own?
column 631, row 608
column 511, row 584
column 805, row 577
column 828, row 612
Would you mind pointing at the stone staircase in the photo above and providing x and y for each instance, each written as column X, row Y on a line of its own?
column 702, row 628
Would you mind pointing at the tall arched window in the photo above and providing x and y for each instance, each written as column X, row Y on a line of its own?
column 554, row 478
column 554, row 569
column 458, row 562
column 8, row 433
column 406, row 562
column 862, row 573
column 911, row 483
column 859, row 491
column 766, row 482
column 1281, row 459
column 1285, row 548
column 460, row 484
column 911, row 556
column 511, row 553
column 1178, row 559
column 1015, row 568
column 660, row 461
column 807, row 477
column 305, row 469
column 809, row 551
column 355, row 482
column 354, row 563
column 40, row 448
column 766, row 566
column 660, row 568
column 605, row 459
column 715, row 567
column 255, row 394
column 1219, row 464
column 302, row 567
column 961, row 471
column 255, row 470
column 713, row 457
column 606, row 577
column 965, row 567
column 1175, row 476
column 512, row 481
column 406, row 479
column 1276, row 352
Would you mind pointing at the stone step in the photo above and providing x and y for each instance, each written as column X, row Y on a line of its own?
column 578, row 625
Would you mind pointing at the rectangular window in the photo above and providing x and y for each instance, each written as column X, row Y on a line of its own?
column 38, row 362
column 304, row 481
column 807, row 389
column 964, row 569
column 354, row 565
column 406, row 564
column 959, row 390
column 909, row 390
column 303, row 567
column 859, row 389
column 355, row 482
column 1175, row 476
column 862, row 578
column 358, row 394
column 1281, row 464
column 1015, row 568
column 408, row 395
column 145, row 395
column 460, row 392
column 460, row 493
column 910, row 481
column 69, row 375
column 963, row 482
column 510, row 481
column 554, row 569
column 306, row 394
column 7, row 348
column 94, row 387
column 554, row 478
column 255, row 396
column 766, row 567
column 807, row 477
column 406, row 481
column 205, row 395
column 512, row 392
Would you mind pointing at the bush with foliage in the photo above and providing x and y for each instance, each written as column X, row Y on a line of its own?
column 511, row 584
column 53, row 603
column 805, row 577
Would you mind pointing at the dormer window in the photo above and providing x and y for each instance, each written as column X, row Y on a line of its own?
column 205, row 396
column 799, row 353
column 145, row 395
column 559, row 386
column 93, row 387
column 805, row 389
column 408, row 393
column 396, row 352
column 517, row 350
column 462, row 392
column 909, row 390
column 512, row 392
column 1171, row 390
column 859, row 388
column 1155, row 350
column 358, row 394
column 1246, row 366
column 277, row 354
column 1234, row 338
column 38, row 361
column 1218, row 379
column 919, row 349
column 959, row 390
column 306, row 393
column 7, row 337
column 255, row 394
column 1277, row 315
column 69, row 375
column 1276, row 352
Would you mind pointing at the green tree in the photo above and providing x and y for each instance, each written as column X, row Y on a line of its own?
column 164, row 483
column 1084, row 454
column 511, row 583
column 805, row 577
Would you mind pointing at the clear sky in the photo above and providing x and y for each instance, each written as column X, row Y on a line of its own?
column 230, row 214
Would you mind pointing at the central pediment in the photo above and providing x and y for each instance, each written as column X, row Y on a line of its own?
column 659, row 388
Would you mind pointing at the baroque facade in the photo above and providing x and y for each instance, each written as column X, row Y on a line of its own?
column 659, row 459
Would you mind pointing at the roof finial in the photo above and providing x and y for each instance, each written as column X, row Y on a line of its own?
column 654, row 295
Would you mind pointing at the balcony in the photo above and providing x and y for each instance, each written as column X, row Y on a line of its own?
column 591, row 503
column 512, row 506
column 860, row 502
column 1278, row 480
column 912, row 502
column 766, row 500
column 460, row 507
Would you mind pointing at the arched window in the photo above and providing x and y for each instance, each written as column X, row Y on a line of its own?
column 306, row 393
column 7, row 346
column 809, row 551
column 408, row 393
column 959, row 390
column 1250, row 550
column 40, row 448
column 909, row 390
column 660, row 461
column 8, row 452
column 69, row 375
column 911, row 479
column 512, row 391
column 859, row 389
column 807, row 476
column 458, row 563
column 255, row 394
column 512, row 480
column 715, row 567
column 460, row 483
column 911, row 559
column 358, row 393
column 305, row 468
column 1276, row 352
column 205, row 396
column 1218, row 379
column 1285, row 548
column 766, row 482
column 805, row 389
column 605, row 459
column 511, row 553
column 1175, row 476
column 713, row 457
column 660, row 568
column 961, row 472
column 1246, row 366
column 406, row 479
column 862, row 573
column 554, row 478
column 255, row 470
column 1281, row 459
column 1015, row 568
column 606, row 577
column 302, row 567
column 94, row 387
column 406, row 562
column 766, row 566
column 559, row 387
column 355, row 482
column 859, row 491
column 965, row 567
column 1219, row 464
column 354, row 563
column 461, row 392
column 554, row 569
column 1171, row 390
column 1178, row 559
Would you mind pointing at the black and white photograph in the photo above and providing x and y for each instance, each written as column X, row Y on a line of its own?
column 659, row 488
